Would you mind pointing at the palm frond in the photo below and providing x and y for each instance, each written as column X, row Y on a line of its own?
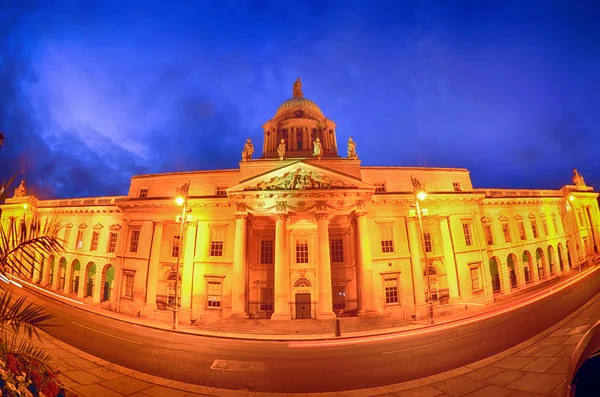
column 25, row 349
column 17, row 314
column 4, row 188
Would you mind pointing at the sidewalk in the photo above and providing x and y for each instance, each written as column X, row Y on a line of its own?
column 533, row 368
column 520, row 297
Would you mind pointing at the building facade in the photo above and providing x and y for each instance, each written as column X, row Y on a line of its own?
column 301, row 232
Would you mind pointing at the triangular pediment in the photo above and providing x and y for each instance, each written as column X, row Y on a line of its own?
column 300, row 176
column 518, row 217
column 503, row 218
column 486, row 219
column 531, row 216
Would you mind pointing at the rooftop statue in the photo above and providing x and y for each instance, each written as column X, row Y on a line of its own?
column 352, row 149
column 21, row 191
column 248, row 150
column 577, row 178
column 281, row 149
column 318, row 149
column 297, row 92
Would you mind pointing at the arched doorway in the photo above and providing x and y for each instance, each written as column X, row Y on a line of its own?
column 527, row 267
column 560, row 257
column 495, row 275
column 90, row 274
column 108, row 277
column 511, row 262
column 62, row 274
column 75, row 274
column 539, row 260
column 551, row 259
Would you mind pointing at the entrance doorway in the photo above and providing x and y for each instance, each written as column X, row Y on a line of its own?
column 303, row 306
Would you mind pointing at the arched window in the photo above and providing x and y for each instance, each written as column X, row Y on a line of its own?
column 302, row 282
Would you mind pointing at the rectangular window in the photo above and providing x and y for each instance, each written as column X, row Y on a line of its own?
column 391, row 290
column 67, row 236
column 506, row 231
column 221, row 190
column 217, row 241
column 339, row 297
column 457, row 186
column 337, row 250
column 266, row 252
column 545, row 227
column 213, row 294
column 94, row 246
column 380, row 187
column 301, row 251
column 135, row 239
column 534, row 229
column 428, row 242
column 129, row 285
column 554, row 225
column 522, row 233
column 143, row 193
column 175, row 245
column 386, row 236
column 467, row 232
column 79, row 244
column 112, row 242
column 266, row 299
column 487, row 232
column 475, row 284
column 580, row 218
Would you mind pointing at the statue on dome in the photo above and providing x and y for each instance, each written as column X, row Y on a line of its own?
column 297, row 91
column 21, row 191
column 248, row 150
column 318, row 148
column 352, row 149
column 281, row 149
column 577, row 178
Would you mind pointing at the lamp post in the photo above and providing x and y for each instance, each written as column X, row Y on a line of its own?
column 181, row 200
column 420, row 195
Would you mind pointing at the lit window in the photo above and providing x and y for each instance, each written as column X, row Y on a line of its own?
column 467, row 232
column 175, row 244
column 112, row 242
column 213, row 294
column 94, row 246
column 386, row 235
column 475, row 283
column 428, row 242
column 221, row 190
column 301, row 251
column 545, row 227
column 554, row 225
column 79, row 244
column 391, row 290
column 522, row 231
column 266, row 299
column 217, row 238
column 339, row 297
column 534, row 229
column 129, row 285
column 67, row 235
column 337, row 250
column 487, row 232
column 457, row 186
column 506, row 231
column 143, row 193
column 266, row 252
column 135, row 239
column 380, row 187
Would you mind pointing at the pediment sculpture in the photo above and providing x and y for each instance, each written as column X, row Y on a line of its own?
column 301, row 179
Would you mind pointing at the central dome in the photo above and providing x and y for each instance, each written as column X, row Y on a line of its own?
column 299, row 102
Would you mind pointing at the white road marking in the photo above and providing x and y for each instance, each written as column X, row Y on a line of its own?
column 430, row 344
column 104, row 333
column 243, row 366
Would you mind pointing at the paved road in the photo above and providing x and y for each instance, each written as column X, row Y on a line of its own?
column 301, row 367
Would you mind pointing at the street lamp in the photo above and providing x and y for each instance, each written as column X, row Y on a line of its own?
column 181, row 200
column 420, row 195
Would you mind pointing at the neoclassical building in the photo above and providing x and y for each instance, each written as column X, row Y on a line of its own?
column 301, row 232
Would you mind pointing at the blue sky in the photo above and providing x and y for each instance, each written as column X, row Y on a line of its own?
column 92, row 93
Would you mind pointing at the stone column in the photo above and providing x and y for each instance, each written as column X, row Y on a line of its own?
column 56, row 274
column 46, row 272
column 504, row 272
column 188, row 265
column 449, row 257
column 238, row 283
column 96, row 297
column 68, row 271
column 367, row 299
column 154, row 267
column 82, row 281
column 519, row 271
column 282, row 271
column 324, row 268
column 556, row 262
column 415, row 257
